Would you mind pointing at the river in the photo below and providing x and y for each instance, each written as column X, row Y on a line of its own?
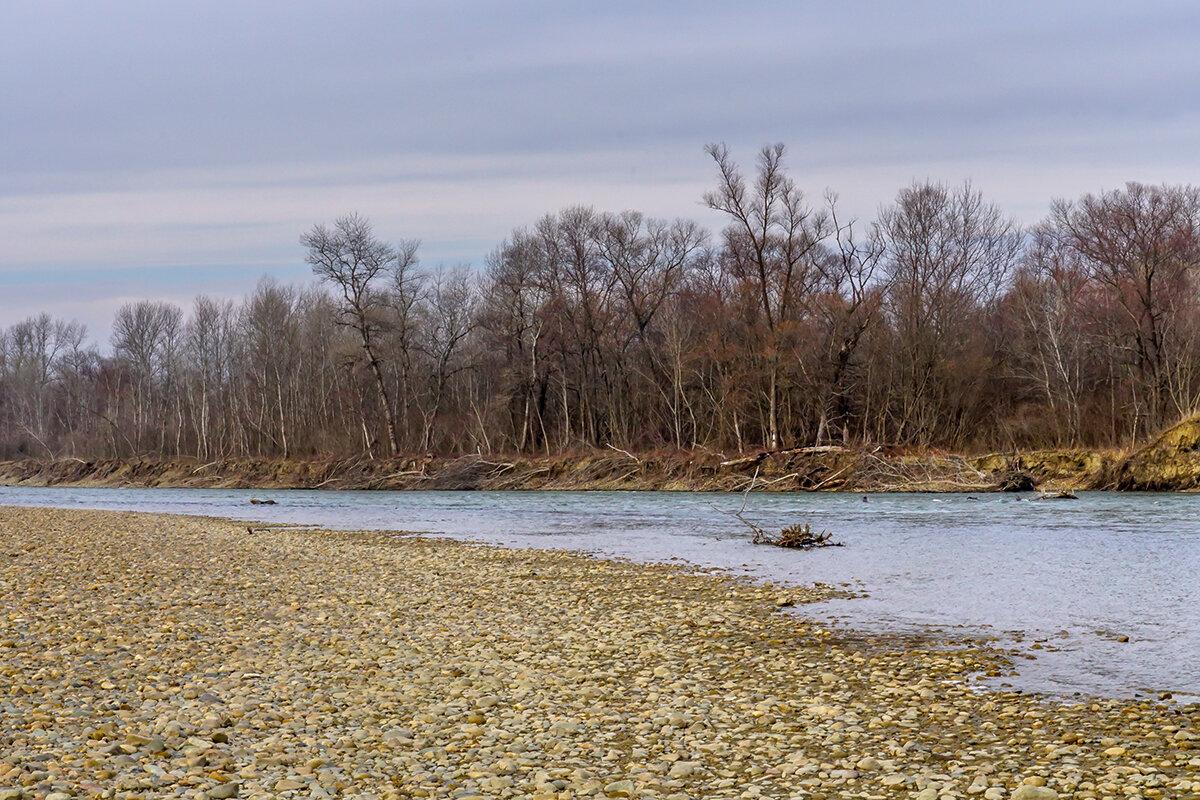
column 1075, row 577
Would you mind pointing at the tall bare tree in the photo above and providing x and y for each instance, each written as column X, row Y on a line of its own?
column 949, row 257
column 771, row 240
column 349, row 256
column 1142, row 244
column 146, row 338
column 515, row 320
column 450, row 317
column 847, row 304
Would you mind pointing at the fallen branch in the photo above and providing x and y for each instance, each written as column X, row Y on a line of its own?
column 255, row 528
column 759, row 457
column 40, row 441
column 1060, row 494
column 787, row 451
column 327, row 480
column 830, row 478
column 626, row 452
column 388, row 477
column 925, row 474
column 738, row 514
column 799, row 537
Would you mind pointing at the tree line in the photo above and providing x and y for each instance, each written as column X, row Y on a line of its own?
column 941, row 323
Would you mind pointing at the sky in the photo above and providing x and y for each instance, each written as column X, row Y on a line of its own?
column 162, row 150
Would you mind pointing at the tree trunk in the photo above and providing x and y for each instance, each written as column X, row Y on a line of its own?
column 388, row 417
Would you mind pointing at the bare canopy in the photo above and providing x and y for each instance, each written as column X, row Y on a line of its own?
column 349, row 256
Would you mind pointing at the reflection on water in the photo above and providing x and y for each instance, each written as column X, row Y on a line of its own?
column 1080, row 574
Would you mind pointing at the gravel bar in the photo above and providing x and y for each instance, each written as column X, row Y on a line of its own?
column 160, row 656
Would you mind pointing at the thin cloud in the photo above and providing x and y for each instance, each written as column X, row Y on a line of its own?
column 183, row 141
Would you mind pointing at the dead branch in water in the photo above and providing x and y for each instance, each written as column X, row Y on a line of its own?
column 1057, row 494
column 800, row 537
column 738, row 514
column 797, row 536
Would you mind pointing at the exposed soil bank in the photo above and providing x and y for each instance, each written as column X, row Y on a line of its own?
column 811, row 469
column 1171, row 461
column 157, row 656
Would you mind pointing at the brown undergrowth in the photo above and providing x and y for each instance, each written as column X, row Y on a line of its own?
column 827, row 468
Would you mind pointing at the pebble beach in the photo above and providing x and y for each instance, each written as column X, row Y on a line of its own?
column 161, row 656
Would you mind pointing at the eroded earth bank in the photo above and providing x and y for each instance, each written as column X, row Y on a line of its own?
column 156, row 656
column 1170, row 461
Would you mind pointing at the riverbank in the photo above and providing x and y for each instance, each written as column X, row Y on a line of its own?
column 800, row 469
column 155, row 656
column 1168, row 462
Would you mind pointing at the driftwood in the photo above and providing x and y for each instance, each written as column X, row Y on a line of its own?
column 517, row 480
column 952, row 474
column 1060, row 494
column 829, row 480
column 797, row 536
column 328, row 481
column 252, row 529
column 469, row 472
column 626, row 452
column 800, row 537
column 757, row 458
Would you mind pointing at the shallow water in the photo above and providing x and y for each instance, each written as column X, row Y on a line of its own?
column 1076, row 574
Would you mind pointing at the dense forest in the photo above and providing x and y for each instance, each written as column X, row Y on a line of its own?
column 941, row 323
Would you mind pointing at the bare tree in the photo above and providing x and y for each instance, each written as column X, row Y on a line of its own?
column 146, row 338
column 209, row 336
column 649, row 259
column 350, row 257
column 1142, row 244
column 405, row 297
column 846, row 306
column 270, row 328
column 450, row 317
column 37, row 354
column 770, row 242
column 1050, row 298
column 514, row 316
column 949, row 256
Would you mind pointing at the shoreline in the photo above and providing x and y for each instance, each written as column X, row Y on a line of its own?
column 154, row 655
column 1055, row 659
column 807, row 469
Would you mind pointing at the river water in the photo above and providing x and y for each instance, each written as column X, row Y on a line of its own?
column 1075, row 575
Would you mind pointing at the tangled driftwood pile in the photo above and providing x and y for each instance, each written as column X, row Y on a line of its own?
column 797, row 536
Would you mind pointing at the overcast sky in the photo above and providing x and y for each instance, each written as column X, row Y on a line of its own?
column 164, row 149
